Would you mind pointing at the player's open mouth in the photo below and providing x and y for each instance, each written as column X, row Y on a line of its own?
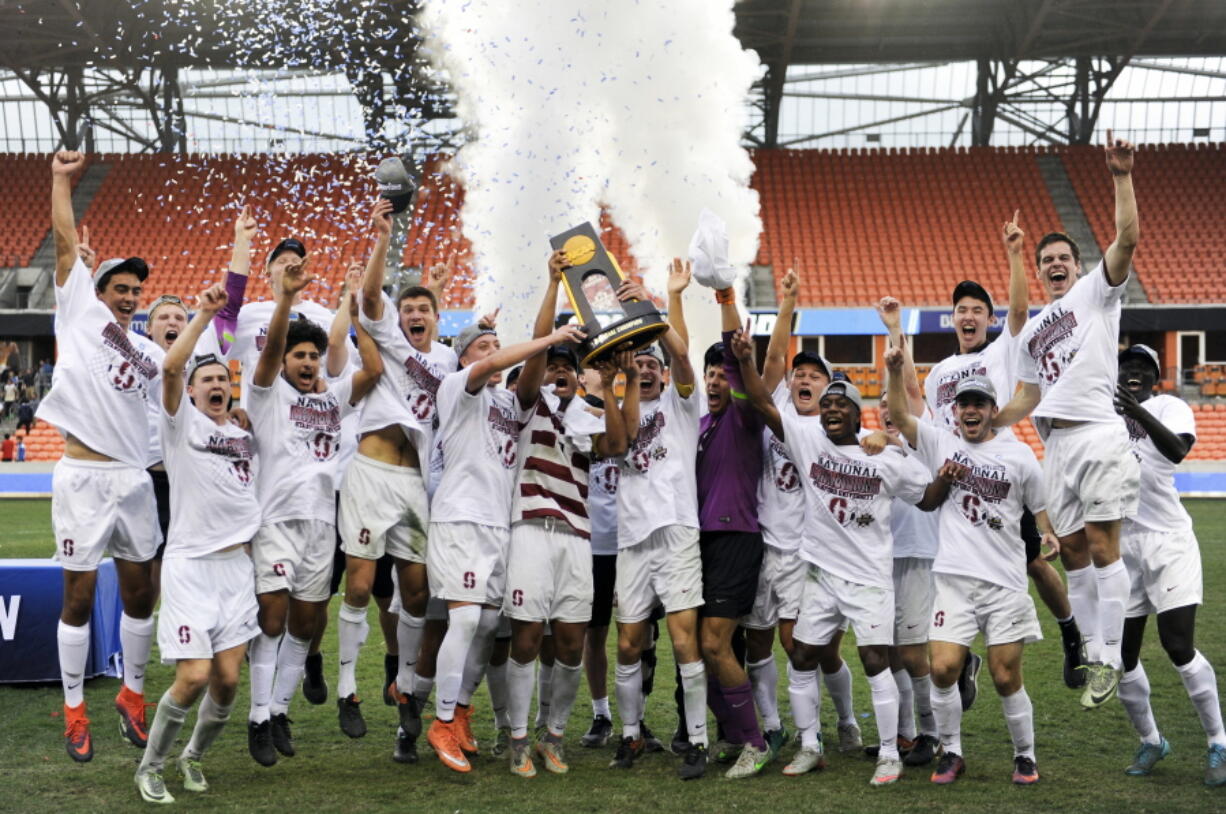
column 968, row 330
column 804, row 393
column 1057, row 276
column 306, row 376
column 216, row 399
column 171, row 336
column 832, row 421
column 646, row 384
column 417, row 331
column 561, row 383
column 126, row 309
column 972, row 422
column 1133, row 384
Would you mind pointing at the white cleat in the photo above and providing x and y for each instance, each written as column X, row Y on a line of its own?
column 152, row 787
column 889, row 769
column 193, row 775
column 806, row 759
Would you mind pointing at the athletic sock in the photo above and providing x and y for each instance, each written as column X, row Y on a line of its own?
column 742, row 716
column 496, row 683
column 544, row 693
column 629, row 689
column 1083, row 599
column 422, row 686
column 408, row 644
column 694, row 690
column 263, row 667
column 565, row 688
column 1113, row 589
column 452, row 654
column 906, row 705
column 718, row 705
column 291, row 663
column 947, row 709
column 478, row 658
column 73, row 644
column 521, row 680
column 805, row 695
column 210, row 719
column 351, row 630
column 136, row 640
column 922, row 689
column 600, row 707
column 1134, row 694
column 885, row 710
column 1201, row 683
column 764, row 675
column 838, row 684
column 1019, row 715
column 167, row 722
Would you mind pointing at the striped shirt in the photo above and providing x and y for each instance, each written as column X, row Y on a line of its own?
column 554, row 446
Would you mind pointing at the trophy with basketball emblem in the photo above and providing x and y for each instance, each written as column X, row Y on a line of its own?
column 591, row 285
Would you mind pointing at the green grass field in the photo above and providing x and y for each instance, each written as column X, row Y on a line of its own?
column 1081, row 754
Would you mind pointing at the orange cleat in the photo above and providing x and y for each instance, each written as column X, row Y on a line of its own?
column 442, row 736
column 131, row 708
column 464, row 729
column 77, row 739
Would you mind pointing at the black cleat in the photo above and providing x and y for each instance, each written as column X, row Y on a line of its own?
column 680, row 743
column 410, row 712
column 259, row 743
column 314, row 685
column 968, row 681
column 650, row 742
column 922, row 752
column 628, row 750
column 598, row 733
column 282, row 738
column 1074, row 655
column 391, row 665
column 349, row 712
column 406, row 747
column 694, row 764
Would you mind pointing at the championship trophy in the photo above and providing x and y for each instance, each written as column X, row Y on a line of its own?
column 591, row 285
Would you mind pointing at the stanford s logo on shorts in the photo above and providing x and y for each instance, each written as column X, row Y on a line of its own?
column 364, row 537
column 68, row 547
column 470, row 580
column 278, row 568
column 185, row 634
column 517, row 598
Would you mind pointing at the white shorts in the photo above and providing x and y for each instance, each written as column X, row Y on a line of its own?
column 208, row 605
column 99, row 508
column 295, row 556
column 665, row 569
column 913, row 595
column 965, row 606
column 780, row 583
column 828, row 601
column 1164, row 567
column 549, row 573
column 1091, row 474
column 383, row 510
column 467, row 562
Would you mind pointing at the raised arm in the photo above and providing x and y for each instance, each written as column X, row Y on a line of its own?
column 64, row 165
column 755, row 390
column 175, row 361
column 530, row 377
column 1173, row 447
column 615, row 440
column 245, row 229
column 293, row 279
column 364, row 380
column 1118, row 257
column 890, row 311
column 678, row 280
column 1019, row 289
column 897, row 398
column 630, row 404
column 479, row 372
column 338, row 334
column 776, row 365
column 1020, row 406
column 949, row 474
column 376, row 267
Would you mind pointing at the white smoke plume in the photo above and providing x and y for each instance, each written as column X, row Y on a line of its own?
column 637, row 106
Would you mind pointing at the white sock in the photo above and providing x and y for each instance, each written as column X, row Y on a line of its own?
column 291, row 663
column 629, row 688
column 600, row 707
column 1201, row 683
column 73, row 643
column 1113, row 589
column 478, row 658
column 922, row 689
column 210, row 719
column 1134, row 694
column 262, row 663
column 764, row 675
column 408, row 644
column 906, row 705
column 565, row 688
column 136, row 639
column 496, row 683
column 1019, row 715
column 351, row 630
column 885, row 710
column 947, row 709
column 694, row 693
column 461, row 629
column 1083, row 599
column 422, row 687
column 167, row 722
column 521, row 681
column 839, row 686
column 544, row 693
column 805, row 695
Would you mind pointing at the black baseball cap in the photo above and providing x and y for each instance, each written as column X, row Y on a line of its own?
column 808, row 357
column 564, row 352
column 290, row 244
column 1145, row 352
column 972, row 289
column 131, row 265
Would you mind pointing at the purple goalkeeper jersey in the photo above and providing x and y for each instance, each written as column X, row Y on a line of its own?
column 729, row 463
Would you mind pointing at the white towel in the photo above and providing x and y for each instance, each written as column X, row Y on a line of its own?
column 709, row 252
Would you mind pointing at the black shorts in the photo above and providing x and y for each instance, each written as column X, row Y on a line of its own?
column 383, row 587
column 731, row 561
column 604, row 579
column 1031, row 536
column 161, row 494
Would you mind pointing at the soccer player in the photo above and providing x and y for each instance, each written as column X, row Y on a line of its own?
column 848, row 495
column 1068, row 369
column 102, row 498
column 979, row 569
column 1163, row 560
column 208, row 609
column 297, row 419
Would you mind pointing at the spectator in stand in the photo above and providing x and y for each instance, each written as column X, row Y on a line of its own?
column 21, row 450
column 44, row 376
column 10, row 395
column 7, row 448
column 25, row 416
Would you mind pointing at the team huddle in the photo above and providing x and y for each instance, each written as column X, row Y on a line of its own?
column 497, row 524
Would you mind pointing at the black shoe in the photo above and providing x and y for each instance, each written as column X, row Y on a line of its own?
column 650, row 742
column 1074, row 655
column 259, row 743
column 694, row 764
column 314, row 686
column 628, row 750
column 598, row 733
column 282, row 738
column 349, row 712
column 410, row 713
column 391, row 666
column 922, row 752
column 968, row 681
column 681, row 742
column 406, row 747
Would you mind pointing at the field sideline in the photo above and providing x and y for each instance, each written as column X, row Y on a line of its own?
column 1081, row 755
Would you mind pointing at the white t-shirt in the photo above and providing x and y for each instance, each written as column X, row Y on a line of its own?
column 478, row 438
column 782, row 514
column 981, row 531
column 212, row 471
column 916, row 532
column 1069, row 349
column 206, row 344
column 659, row 485
column 1159, row 508
column 602, row 504
column 997, row 361
column 251, row 332
column 848, row 494
column 300, row 437
column 104, row 376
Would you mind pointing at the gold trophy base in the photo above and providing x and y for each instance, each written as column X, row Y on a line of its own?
column 627, row 334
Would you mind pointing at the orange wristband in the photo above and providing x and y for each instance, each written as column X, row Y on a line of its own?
column 725, row 296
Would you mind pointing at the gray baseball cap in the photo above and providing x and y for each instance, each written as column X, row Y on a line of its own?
column 115, row 265
column 652, row 350
column 468, row 336
column 976, row 384
column 845, row 389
